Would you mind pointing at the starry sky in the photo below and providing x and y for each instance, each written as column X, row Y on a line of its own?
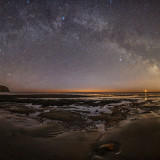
column 80, row 45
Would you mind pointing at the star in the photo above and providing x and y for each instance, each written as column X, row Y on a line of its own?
column 28, row 1
column 9, row 74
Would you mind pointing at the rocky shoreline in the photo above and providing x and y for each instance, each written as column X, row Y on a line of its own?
column 71, row 110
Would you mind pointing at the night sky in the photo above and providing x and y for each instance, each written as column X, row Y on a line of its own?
column 80, row 45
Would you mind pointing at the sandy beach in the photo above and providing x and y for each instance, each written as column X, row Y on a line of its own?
column 122, row 131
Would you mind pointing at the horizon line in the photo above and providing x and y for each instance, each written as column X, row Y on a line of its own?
column 84, row 91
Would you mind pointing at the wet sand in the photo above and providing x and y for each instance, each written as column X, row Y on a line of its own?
column 133, row 139
column 39, row 142
column 79, row 129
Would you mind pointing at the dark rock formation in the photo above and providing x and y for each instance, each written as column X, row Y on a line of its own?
column 4, row 89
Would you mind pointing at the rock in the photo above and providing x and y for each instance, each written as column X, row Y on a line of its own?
column 133, row 119
column 109, row 146
column 4, row 89
column 96, row 157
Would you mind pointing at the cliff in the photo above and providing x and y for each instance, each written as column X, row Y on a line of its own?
column 4, row 89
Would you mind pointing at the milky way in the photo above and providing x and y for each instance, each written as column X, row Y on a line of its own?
column 96, row 45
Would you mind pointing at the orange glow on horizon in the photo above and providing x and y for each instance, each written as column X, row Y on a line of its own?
column 84, row 90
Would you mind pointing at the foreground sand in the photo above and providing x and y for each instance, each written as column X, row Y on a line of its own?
column 134, row 139
column 79, row 127
column 38, row 142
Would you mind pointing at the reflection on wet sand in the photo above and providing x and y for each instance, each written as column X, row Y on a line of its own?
column 146, row 98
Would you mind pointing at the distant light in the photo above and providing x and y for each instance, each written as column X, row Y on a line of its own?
column 28, row 1
column 145, row 91
column 63, row 18
column 120, row 59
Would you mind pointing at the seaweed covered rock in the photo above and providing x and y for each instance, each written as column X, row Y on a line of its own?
column 4, row 89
